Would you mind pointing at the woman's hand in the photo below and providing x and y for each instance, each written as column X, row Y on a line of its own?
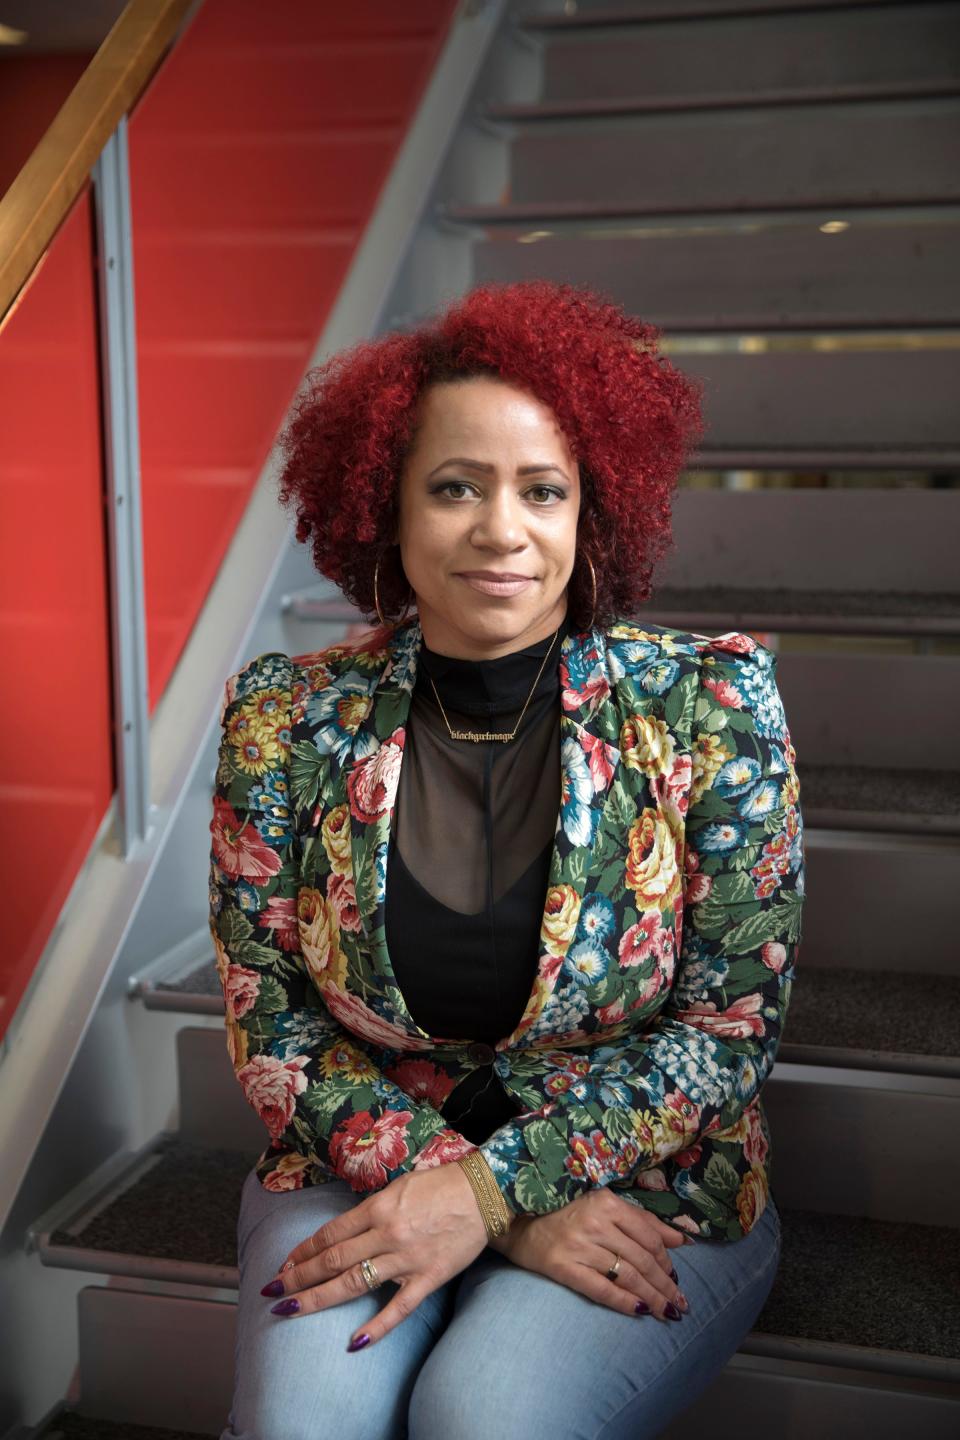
column 420, row 1230
column 576, row 1245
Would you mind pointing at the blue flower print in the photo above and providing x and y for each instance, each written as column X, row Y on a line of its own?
column 760, row 802
column 579, row 821
column 720, row 837
column 759, row 689
column 585, row 963
column 693, row 1066
column 597, row 918
column 737, row 776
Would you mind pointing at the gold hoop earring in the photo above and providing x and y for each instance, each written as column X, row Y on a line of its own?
column 376, row 600
column 593, row 577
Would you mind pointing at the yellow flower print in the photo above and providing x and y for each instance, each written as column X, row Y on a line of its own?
column 752, row 1197
column 237, row 1043
column 346, row 1061
column 709, row 755
column 335, row 834
column 652, row 871
column 560, row 917
column 646, row 744
column 320, row 939
column 257, row 747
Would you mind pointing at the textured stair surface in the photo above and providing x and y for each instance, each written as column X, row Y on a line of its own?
column 842, row 1279
column 183, row 1209
column 850, row 611
column 923, row 800
column 71, row 1426
column 875, row 1010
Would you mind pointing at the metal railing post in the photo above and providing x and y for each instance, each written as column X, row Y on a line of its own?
column 118, row 361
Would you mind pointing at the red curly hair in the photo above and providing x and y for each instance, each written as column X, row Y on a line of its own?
column 628, row 415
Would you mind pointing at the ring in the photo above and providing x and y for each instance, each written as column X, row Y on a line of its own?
column 614, row 1270
column 369, row 1272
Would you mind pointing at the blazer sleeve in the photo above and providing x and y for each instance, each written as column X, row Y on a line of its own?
column 614, row 1111
column 325, row 1104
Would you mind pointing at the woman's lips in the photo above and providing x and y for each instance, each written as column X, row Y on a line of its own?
column 496, row 587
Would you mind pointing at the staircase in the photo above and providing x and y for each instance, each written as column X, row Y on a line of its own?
column 772, row 183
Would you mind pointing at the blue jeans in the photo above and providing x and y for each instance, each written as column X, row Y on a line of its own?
column 496, row 1351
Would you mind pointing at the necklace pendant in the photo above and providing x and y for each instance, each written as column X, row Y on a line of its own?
column 478, row 735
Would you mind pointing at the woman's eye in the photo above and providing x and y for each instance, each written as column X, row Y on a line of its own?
column 546, row 490
column 454, row 485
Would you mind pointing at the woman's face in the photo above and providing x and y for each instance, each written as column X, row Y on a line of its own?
column 489, row 489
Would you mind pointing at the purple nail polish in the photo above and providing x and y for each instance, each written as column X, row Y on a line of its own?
column 673, row 1274
column 671, row 1311
column 359, row 1343
column 272, row 1290
column 641, row 1308
column 286, row 1307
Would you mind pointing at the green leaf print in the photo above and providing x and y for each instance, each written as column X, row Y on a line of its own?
column 307, row 771
column 532, row 1194
column 770, row 924
column 720, row 1177
column 681, row 703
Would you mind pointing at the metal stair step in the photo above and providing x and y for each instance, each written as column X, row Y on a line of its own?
column 877, row 1020
column 738, row 278
column 831, row 612
column 178, row 1222
column 857, row 797
column 585, row 14
column 905, row 44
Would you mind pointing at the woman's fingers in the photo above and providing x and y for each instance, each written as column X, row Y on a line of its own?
column 303, row 1295
column 639, row 1279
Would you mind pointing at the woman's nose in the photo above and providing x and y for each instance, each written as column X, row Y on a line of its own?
column 499, row 524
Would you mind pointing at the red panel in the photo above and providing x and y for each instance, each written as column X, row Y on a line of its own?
column 257, row 157
column 56, row 767
column 32, row 90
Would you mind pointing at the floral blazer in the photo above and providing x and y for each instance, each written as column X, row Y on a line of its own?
column 669, row 936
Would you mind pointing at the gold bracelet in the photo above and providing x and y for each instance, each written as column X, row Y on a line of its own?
column 497, row 1216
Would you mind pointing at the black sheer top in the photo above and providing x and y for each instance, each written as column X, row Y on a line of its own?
column 469, row 857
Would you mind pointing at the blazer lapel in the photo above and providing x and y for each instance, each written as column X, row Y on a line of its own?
column 590, row 759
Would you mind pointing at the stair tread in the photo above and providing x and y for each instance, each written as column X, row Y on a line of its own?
column 186, row 1209
column 722, row 599
column 202, row 981
column 183, row 1208
column 72, row 1426
column 880, row 789
column 874, row 1283
column 882, row 1010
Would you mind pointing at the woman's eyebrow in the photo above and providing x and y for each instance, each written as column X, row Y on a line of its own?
column 480, row 465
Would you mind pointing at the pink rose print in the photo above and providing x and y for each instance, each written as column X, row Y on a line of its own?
column 372, row 783
column 271, row 1086
column 238, row 848
column 643, row 941
column 774, row 955
column 356, row 1017
column 280, row 916
column 739, row 1021
column 726, row 693
column 240, row 990
column 343, row 898
column 442, row 1150
column 735, row 642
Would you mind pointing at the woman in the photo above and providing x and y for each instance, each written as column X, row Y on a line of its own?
column 506, row 902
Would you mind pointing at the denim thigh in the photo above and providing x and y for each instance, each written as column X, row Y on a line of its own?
column 294, row 1378
column 525, row 1358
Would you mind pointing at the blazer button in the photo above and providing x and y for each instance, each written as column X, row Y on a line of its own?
column 483, row 1054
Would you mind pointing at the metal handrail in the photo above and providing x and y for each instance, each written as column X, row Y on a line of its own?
column 42, row 194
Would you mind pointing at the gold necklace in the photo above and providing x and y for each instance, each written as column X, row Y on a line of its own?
column 495, row 734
